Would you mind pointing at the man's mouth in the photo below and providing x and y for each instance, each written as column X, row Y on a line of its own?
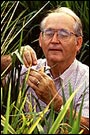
column 55, row 49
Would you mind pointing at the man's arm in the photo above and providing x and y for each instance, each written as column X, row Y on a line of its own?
column 6, row 61
column 85, row 122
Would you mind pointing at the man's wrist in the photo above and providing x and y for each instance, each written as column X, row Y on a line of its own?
column 58, row 104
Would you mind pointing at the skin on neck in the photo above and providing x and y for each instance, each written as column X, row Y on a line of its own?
column 59, row 68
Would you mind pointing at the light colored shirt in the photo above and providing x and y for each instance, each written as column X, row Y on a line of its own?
column 77, row 74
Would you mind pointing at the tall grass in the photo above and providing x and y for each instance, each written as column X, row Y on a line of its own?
column 16, row 121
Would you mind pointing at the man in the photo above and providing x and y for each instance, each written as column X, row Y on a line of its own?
column 60, row 38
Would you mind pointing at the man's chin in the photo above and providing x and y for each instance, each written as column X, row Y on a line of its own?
column 54, row 59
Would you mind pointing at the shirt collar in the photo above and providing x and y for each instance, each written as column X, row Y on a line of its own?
column 67, row 73
column 47, row 69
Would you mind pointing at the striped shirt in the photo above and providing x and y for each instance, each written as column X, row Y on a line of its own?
column 77, row 75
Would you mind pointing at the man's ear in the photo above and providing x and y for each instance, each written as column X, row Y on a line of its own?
column 79, row 43
column 40, row 39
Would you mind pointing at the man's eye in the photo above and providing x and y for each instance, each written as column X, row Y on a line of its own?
column 49, row 33
column 62, row 33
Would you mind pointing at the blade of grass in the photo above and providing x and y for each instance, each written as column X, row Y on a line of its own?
column 40, row 129
column 5, row 131
column 71, row 106
column 37, row 121
column 10, row 20
column 62, row 113
column 76, row 124
column 27, row 23
column 6, row 40
column 7, row 12
column 10, row 129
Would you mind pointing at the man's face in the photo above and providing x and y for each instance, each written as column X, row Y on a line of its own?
column 59, row 46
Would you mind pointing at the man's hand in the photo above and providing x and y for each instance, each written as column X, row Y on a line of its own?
column 28, row 55
column 44, row 87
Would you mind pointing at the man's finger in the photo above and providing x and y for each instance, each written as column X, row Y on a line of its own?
column 27, row 59
column 34, row 57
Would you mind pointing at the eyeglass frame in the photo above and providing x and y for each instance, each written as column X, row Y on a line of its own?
column 59, row 30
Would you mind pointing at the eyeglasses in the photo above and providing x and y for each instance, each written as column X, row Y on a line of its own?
column 62, row 34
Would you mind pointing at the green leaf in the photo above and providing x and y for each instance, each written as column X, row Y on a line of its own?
column 62, row 113
column 5, row 131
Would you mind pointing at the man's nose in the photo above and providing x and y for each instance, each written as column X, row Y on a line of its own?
column 55, row 38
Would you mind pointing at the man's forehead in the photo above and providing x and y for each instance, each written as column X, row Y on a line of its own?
column 58, row 19
column 60, row 15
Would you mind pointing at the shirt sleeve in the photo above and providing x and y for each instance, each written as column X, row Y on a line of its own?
column 78, row 101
